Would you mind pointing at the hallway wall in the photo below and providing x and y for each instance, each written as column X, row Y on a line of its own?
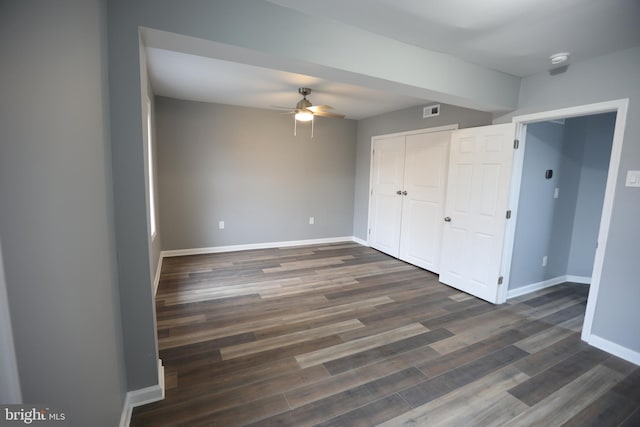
column 563, row 229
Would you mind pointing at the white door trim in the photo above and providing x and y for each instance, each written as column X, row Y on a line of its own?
column 373, row 139
column 620, row 107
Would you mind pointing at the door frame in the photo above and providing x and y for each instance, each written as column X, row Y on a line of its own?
column 388, row 135
column 620, row 107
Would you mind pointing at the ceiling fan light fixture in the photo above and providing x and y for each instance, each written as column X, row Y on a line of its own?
column 304, row 116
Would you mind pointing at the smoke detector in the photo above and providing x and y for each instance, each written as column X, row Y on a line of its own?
column 559, row 58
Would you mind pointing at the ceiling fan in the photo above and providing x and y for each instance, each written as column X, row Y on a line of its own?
column 304, row 111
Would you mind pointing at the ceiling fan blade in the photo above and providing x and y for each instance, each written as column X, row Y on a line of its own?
column 329, row 114
column 316, row 108
column 280, row 107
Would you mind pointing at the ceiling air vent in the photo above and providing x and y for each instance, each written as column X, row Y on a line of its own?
column 431, row 111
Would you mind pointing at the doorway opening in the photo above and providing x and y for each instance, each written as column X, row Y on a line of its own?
column 617, row 114
column 564, row 176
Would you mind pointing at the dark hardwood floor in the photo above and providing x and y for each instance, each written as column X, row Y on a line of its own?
column 342, row 335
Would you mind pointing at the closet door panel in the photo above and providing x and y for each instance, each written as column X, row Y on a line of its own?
column 425, row 177
column 386, row 203
column 477, row 200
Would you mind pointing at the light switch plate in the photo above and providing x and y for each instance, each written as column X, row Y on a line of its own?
column 633, row 179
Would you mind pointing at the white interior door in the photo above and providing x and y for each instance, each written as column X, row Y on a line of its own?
column 425, row 177
column 475, row 209
column 386, row 194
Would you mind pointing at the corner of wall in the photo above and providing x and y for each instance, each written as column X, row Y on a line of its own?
column 142, row 396
column 156, row 277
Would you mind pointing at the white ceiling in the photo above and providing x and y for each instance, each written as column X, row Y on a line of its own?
column 198, row 78
column 515, row 37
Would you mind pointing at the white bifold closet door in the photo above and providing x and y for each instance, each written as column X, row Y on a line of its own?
column 408, row 191
column 445, row 212
column 386, row 194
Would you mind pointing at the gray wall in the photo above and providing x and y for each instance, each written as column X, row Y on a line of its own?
column 569, row 171
column 613, row 76
column 56, row 218
column 399, row 121
column 127, row 80
column 536, row 208
column 596, row 135
column 564, row 229
column 245, row 167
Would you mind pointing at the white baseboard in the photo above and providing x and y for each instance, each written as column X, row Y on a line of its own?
column 615, row 349
column 527, row 289
column 252, row 246
column 359, row 241
column 584, row 280
column 142, row 397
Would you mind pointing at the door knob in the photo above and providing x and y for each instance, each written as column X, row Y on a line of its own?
column 404, row 193
column 399, row 192
column 447, row 219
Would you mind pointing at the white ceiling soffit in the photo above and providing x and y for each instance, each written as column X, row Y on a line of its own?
column 199, row 78
column 515, row 37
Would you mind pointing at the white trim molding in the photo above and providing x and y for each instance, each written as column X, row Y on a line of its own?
column 615, row 349
column 584, row 280
column 142, row 397
column 252, row 246
column 359, row 241
column 527, row 289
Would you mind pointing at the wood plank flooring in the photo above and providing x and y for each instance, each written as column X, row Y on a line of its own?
column 342, row 335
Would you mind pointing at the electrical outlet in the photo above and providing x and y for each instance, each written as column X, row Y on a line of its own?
column 221, row 225
column 544, row 261
column 312, row 220
column 556, row 193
